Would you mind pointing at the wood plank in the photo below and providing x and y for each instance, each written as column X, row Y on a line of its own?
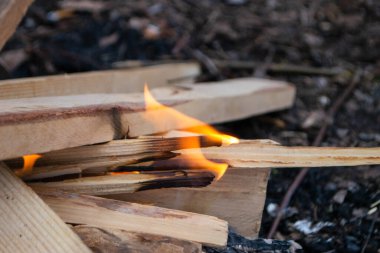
column 108, row 81
column 37, row 125
column 11, row 13
column 238, row 197
column 266, row 154
column 128, row 182
column 95, row 211
column 27, row 224
column 108, row 240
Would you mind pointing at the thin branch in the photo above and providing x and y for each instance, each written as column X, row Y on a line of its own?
column 317, row 141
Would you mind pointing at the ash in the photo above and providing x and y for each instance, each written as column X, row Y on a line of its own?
column 239, row 244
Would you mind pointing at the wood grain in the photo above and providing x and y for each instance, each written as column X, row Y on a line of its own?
column 95, row 211
column 27, row 224
column 127, row 183
column 11, row 13
column 238, row 197
column 108, row 81
column 266, row 154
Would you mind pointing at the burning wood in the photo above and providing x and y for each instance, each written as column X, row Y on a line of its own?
column 106, row 157
column 100, row 212
column 128, row 182
column 124, row 148
column 47, row 123
column 86, row 167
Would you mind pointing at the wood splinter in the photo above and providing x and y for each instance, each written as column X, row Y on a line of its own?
column 128, row 183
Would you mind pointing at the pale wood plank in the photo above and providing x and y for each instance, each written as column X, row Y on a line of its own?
column 27, row 224
column 95, row 211
column 36, row 125
column 238, row 197
column 11, row 13
column 108, row 81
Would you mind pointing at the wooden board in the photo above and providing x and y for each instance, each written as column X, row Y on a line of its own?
column 109, row 81
column 11, row 13
column 95, row 211
column 36, row 125
column 238, row 198
column 108, row 240
column 265, row 154
column 27, row 224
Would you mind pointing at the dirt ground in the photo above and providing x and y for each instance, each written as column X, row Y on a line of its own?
column 334, row 209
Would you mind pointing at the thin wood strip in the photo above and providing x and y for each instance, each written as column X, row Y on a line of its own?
column 27, row 224
column 123, row 148
column 11, row 13
column 127, row 183
column 95, row 211
column 264, row 154
column 108, row 81
column 91, row 165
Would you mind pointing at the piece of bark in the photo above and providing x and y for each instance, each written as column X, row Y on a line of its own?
column 127, row 183
column 37, row 125
column 107, row 81
column 27, row 224
column 11, row 13
column 267, row 154
column 109, row 240
column 238, row 197
column 95, row 211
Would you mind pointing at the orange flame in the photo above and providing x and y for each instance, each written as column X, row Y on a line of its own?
column 168, row 115
column 124, row 173
column 29, row 161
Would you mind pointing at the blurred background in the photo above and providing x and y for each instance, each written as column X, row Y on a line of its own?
column 317, row 45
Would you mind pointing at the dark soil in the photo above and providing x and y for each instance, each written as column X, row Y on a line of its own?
column 339, row 35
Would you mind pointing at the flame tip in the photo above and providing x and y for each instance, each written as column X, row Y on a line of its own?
column 171, row 116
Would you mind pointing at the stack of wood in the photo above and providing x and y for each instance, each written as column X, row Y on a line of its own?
column 96, row 141
column 109, row 180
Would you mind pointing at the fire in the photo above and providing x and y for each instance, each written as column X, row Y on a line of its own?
column 29, row 161
column 124, row 173
column 179, row 119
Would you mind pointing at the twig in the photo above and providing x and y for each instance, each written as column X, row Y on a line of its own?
column 207, row 62
column 370, row 231
column 317, row 141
